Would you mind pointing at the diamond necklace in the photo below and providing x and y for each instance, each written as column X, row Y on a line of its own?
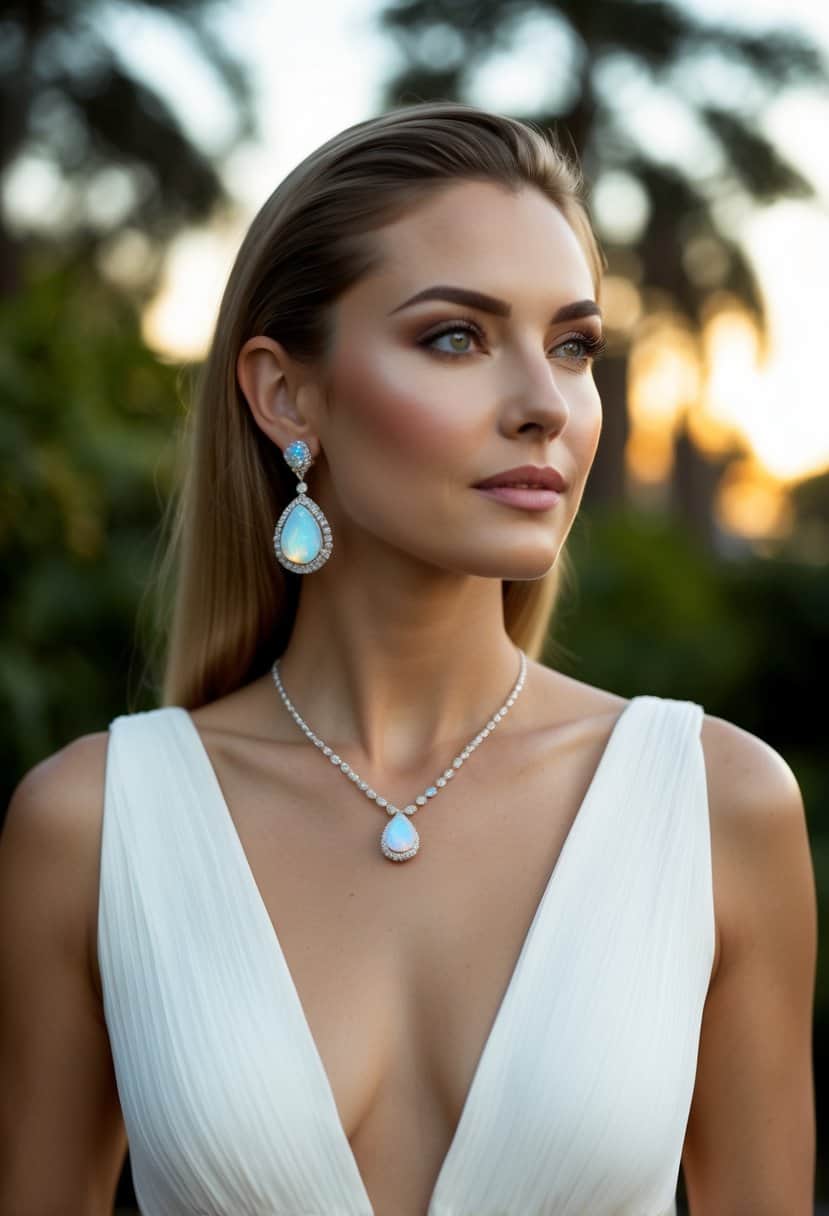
column 400, row 839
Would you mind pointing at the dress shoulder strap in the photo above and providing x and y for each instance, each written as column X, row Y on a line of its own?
column 169, row 852
column 668, row 782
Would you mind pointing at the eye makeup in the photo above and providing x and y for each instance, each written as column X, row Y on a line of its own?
column 593, row 345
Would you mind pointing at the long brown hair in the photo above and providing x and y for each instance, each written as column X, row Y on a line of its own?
column 225, row 607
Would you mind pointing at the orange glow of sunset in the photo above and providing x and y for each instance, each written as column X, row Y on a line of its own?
column 663, row 382
column 746, row 388
column 753, row 503
column 719, row 383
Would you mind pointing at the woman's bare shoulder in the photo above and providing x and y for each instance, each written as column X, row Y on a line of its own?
column 52, row 830
column 746, row 775
column 60, row 799
column 754, row 799
column 757, row 818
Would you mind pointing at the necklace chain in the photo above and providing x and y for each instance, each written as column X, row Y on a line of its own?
column 408, row 835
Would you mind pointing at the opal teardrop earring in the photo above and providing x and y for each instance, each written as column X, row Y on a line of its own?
column 302, row 538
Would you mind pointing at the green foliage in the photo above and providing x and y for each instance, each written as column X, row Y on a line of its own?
column 87, row 448
column 647, row 603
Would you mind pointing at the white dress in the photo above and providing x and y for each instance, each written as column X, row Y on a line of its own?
column 580, row 1099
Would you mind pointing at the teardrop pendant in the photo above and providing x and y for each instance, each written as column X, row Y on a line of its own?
column 302, row 537
column 400, row 840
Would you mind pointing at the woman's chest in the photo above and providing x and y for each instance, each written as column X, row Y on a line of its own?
column 400, row 967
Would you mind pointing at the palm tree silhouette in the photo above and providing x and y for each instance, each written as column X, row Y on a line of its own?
column 67, row 96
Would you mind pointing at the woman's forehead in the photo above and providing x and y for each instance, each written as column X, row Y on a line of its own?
column 514, row 245
column 472, row 209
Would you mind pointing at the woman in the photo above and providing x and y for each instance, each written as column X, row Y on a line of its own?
column 589, row 958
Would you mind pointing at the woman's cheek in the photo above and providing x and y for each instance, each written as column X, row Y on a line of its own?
column 405, row 407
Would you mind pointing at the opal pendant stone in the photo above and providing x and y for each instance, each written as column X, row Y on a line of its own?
column 301, row 536
column 400, row 840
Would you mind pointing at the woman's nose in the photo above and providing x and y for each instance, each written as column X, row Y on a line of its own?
column 537, row 398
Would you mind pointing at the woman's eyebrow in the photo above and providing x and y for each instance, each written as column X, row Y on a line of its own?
column 477, row 299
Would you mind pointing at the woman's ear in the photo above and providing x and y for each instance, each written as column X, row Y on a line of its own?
column 272, row 384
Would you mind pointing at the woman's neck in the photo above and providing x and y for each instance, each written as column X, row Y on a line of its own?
column 393, row 676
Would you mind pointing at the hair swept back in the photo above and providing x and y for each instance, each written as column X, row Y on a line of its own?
column 224, row 607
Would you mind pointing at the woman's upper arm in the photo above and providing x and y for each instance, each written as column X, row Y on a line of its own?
column 62, row 1139
column 750, row 1142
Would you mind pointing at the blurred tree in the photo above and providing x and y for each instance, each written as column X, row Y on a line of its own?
column 667, row 209
column 88, row 450
column 128, row 170
column 810, row 498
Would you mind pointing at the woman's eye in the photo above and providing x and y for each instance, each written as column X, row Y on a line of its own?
column 456, row 335
column 582, row 349
column 579, row 349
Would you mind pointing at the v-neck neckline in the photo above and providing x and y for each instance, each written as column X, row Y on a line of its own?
column 456, row 1144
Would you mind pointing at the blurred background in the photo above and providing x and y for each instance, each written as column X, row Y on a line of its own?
column 137, row 141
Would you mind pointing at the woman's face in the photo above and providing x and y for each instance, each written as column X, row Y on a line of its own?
column 427, row 398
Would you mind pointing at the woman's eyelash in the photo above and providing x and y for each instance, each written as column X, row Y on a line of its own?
column 594, row 346
column 451, row 328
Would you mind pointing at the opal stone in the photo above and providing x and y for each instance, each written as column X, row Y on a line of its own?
column 400, row 834
column 301, row 538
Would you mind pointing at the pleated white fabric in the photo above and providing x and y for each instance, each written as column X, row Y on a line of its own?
column 580, row 1100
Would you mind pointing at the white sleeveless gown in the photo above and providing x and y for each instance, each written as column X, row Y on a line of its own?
column 580, row 1099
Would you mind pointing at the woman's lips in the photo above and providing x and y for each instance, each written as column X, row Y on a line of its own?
column 530, row 500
